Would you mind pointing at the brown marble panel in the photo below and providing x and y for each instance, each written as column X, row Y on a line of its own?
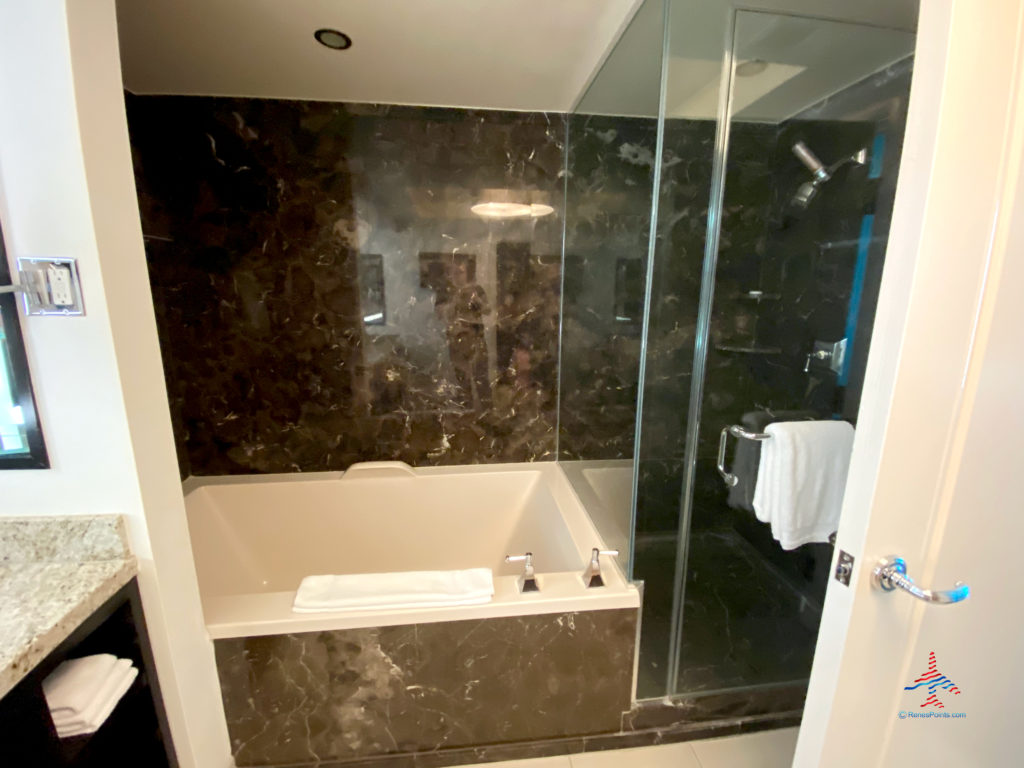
column 324, row 293
column 347, row 694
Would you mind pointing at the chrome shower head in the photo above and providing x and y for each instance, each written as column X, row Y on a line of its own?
column 809, row 189
column 804, row 194
column 811, row 161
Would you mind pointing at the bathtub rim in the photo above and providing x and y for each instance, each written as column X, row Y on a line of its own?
column 269, row 613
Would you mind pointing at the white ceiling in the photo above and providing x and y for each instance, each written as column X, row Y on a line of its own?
column 518, row 54
column 809, row 58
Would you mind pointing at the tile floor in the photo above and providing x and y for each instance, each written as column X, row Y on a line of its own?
column 767, row 749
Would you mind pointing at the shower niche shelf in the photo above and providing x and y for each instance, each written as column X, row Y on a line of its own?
column 760, row 296
column 740, row 349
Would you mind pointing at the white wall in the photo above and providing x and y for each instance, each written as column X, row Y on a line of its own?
column 66, row 189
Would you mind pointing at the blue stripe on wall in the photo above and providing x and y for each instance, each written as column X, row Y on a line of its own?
column 863, row 245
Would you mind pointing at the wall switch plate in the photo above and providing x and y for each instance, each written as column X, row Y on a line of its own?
column 50, row 286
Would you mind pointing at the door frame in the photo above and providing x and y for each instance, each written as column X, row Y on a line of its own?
column 944, row 246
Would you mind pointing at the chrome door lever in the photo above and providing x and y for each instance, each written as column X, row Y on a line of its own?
column 891, row 572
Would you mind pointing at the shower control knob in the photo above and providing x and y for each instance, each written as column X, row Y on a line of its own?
column 821, row 354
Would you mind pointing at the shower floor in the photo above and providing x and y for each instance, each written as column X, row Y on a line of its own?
column 744, row 623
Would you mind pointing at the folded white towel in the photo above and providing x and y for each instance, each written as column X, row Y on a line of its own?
column 409, row 589
column 94, row 717
column 801, row 478
column 119, row 673
column 73, row 685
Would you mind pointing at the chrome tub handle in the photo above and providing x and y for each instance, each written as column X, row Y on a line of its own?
column 736, row 431
column 891, row 573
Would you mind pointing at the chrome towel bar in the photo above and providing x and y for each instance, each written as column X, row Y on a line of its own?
column 736, row 431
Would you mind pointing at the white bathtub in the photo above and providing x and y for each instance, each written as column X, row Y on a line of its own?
column 255, row 537
column 605, row 487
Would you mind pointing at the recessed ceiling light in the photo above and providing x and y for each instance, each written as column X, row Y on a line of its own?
column 751, row 68
column 332, row 38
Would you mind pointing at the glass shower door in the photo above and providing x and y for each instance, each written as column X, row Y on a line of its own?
column 807, row 149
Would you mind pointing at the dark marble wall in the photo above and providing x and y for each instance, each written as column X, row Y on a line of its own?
column 609, row 196
column 324, row 294
column 345, row 694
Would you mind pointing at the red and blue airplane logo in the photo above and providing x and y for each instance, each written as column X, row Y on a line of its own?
column 934, row 681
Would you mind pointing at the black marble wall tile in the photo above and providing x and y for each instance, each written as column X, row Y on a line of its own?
column 324, row 294
column 609, row 196
column 347, row 694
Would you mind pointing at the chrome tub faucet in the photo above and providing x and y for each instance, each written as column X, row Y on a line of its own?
column 592, row 574
column 528, row 581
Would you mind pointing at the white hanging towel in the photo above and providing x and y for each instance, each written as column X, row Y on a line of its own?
column 801, row 478
column 404, row 589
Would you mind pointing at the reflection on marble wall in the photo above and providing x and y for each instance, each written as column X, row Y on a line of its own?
column 324, row 294
column 675, row 300
column 304, row 698
column 608, row 217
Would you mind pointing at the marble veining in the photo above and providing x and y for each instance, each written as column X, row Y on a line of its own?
column 353, row 694
column 324, row 294
column 662, row 723
column 50, row 585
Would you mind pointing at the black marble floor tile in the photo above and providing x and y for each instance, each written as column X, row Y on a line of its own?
column 669, row 733
column 744, row 623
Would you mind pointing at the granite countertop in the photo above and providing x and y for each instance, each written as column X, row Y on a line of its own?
column 54, row 572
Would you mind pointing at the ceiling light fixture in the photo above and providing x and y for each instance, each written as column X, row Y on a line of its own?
column 495, row 210
column 502, row 210
column 333, row 39
column 751, row 68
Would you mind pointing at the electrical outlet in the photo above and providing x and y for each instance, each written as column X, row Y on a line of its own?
column 49, row 285
column 60, row 285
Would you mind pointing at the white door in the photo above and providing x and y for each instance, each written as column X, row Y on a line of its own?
column 938, row 469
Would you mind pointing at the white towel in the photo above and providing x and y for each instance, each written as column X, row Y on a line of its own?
column 801, row 478
column 95, row 716
column 73, row 685
column 409, row 589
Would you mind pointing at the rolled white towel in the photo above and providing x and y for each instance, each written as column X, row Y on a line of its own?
column 94, row 717
column 406, row 589
column 73, row 685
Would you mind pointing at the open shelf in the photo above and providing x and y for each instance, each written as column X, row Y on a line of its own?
column 135, row 732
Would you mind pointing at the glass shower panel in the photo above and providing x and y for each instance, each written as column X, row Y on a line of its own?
column 692, row 73
column 610, row 172
column 795, row 278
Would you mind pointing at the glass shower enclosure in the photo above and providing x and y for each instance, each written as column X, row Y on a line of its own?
column 729, row 185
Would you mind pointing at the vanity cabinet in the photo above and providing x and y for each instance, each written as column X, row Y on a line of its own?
column 135, row 733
